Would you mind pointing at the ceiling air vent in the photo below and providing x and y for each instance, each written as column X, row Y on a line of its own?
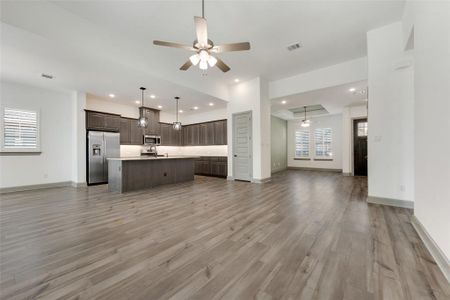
column 48, row 76
column 294, row 46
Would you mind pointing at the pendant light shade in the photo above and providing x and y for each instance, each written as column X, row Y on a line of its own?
column 177, row 125
column 143, row 121
column 305, row 123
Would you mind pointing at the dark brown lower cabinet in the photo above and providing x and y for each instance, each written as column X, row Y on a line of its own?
column 211, row 166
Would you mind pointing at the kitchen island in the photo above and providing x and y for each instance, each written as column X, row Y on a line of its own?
column 127, row 174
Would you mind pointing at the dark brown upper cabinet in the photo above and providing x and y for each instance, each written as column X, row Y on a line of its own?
column 152, row 116
column 220, row 132
column 125, row 131
column 130, row 133
column 102, row 121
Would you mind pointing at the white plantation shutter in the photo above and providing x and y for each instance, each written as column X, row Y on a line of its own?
column 302, row 143
column 20, row 130
column 323, row 139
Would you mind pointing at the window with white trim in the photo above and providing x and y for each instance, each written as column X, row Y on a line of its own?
column 302, row 143
column 20, row 130
column 323, row 139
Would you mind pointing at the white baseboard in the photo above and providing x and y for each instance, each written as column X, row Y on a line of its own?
column 79, row 184
column 441, row 259
column 315, row 169
column 391, row 202
column 264, row 180
column 23, row 188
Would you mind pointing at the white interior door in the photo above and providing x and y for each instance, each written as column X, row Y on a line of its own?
column 242, row 146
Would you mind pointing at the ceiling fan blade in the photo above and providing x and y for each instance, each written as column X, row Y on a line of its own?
column 173, row 45
column 186, row 65
column 231, row 47
column 222, row 66
column 202, row 31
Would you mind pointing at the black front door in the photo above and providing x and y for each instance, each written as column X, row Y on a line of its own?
column 360, row 147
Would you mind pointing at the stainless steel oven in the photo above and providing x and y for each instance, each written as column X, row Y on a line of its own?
column 152, row 140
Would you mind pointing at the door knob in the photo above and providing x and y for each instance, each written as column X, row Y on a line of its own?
column 235, row 155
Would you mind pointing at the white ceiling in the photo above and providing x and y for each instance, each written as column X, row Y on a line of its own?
column 333, row 99
column 104, row 47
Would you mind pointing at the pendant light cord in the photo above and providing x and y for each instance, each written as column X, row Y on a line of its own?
column 177, row 110
column 203, row 9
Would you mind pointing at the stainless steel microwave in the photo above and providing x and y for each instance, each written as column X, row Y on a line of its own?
column 152, row 140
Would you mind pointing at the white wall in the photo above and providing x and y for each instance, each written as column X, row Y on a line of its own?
column 78, row 138
column 129, row 111
column 348, row 115
column 346, row 72
column 252, row 96
column 278, row 140
column 335, row 123
column 54, row 164
column 217, row 114
column 391, row 116
column 432, row 121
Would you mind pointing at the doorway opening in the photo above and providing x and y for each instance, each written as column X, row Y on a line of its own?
column 360, row 127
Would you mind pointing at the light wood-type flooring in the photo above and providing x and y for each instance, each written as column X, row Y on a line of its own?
column 304, row 235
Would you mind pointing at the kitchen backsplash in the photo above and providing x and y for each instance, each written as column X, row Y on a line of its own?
column 222, row 150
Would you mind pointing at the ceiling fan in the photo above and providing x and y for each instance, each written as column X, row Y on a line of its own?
column 204, row 47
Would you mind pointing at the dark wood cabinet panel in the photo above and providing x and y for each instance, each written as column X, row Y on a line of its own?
column 136, row 133
column 211, row 166
column 125, row 131
column 112, row 122
column 102, row 121
column 95, row 120
column 210, row 136
column 175, row 136
column 166, row 138
column 152, row 116
column 202, row 134
column 220, row 132
column 219, row 168
column 130, row 133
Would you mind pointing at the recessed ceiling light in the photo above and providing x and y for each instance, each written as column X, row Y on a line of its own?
column 211, row 104
column 152, row 96
column 180, row 111
column 112, row 96
column 283, row 102
column 351, row 90
column 195, row 107
column 137, row 101
column 236, row 80
column 159, row 106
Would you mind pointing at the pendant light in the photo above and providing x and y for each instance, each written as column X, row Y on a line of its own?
column 143, row 121
column 177, row 125
column 305, row 122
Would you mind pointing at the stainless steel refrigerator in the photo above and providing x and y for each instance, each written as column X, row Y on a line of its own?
column 101, row 145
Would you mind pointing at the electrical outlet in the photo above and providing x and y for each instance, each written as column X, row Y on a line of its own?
column 45, row 175
column 402, row 188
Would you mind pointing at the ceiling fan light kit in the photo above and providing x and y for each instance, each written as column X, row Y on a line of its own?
column 204, row 47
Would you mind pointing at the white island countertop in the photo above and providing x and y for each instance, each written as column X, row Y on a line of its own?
column 148, row 157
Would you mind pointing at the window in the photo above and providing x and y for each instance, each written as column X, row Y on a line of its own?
column 323, row 139
column 20, row 130
column 362, row 129
column 302, row 143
